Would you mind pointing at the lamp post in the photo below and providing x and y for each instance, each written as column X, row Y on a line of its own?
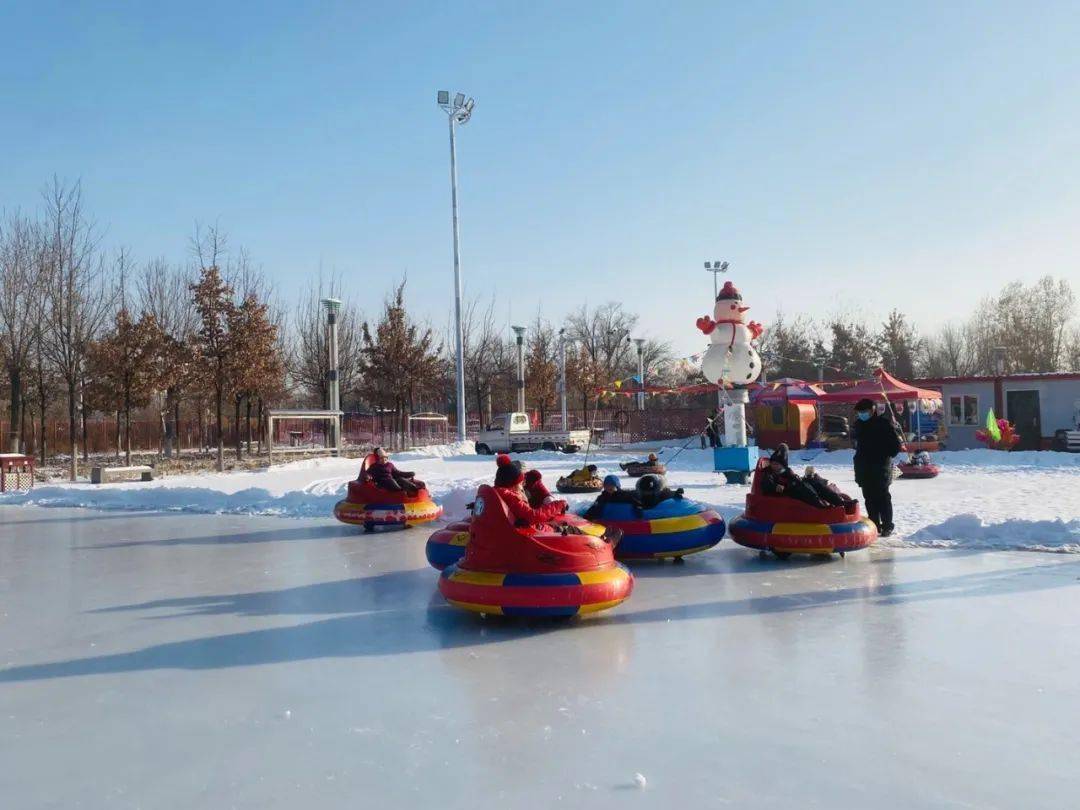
column 333, row 306
column 519, row 331
column 562, row 376
column 640, row 372
column 458, row 111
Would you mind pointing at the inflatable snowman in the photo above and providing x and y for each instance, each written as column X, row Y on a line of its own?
column 730, row 358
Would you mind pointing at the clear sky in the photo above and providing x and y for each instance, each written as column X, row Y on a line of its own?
column 853, row 155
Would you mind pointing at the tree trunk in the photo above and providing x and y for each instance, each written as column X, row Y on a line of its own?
column 127, row 431
column 73, row 438
column 23, row 410
column 118, row 442
column 85, row 432
column 247, row 424
column 15, row 378
column 168, row 426
column 176, row 425
column 219, row 402
column 262, row 426
column 236, row 427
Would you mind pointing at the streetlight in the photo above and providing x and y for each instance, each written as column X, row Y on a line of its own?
column 458, row 111
column 519, row 331
column 714, row 268
column 333, row 306
column 562, row 375
column 640, row 372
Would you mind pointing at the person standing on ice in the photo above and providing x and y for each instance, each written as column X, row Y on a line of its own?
column 876, row 445
column 730, row 357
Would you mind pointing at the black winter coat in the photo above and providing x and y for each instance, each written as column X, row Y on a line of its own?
column 876, row 444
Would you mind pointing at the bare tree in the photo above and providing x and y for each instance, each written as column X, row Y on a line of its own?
column 78, row 298
column 164, row 291
column 19, row 309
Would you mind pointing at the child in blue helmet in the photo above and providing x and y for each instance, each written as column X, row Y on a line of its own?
column 612, row 493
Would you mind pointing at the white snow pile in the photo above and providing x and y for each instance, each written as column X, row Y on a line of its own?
column 983, row 499
column 970, row 532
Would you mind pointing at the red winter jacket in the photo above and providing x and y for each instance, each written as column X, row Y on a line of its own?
column 538, row 493
column 525, row 515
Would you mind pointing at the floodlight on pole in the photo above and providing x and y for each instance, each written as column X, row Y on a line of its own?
column 715, row 267
column 459, row 112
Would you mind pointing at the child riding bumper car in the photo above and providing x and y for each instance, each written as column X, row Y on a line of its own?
column 371, row 504
column 534, row 570
column 787, row 525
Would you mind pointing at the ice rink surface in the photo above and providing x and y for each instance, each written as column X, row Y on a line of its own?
column 218, row 661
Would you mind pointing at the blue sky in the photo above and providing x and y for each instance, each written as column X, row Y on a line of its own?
column 853, row 156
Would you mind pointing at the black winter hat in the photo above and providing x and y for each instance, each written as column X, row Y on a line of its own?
column 864, row 404
column 780, row 454
column 509, row 472
column 649, row 484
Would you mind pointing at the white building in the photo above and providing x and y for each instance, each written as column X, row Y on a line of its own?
column 1039, row 405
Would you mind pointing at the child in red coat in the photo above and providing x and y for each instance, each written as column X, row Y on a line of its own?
column 536, row 490
column 508, row 480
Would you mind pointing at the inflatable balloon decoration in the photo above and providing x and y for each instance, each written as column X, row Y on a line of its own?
column 1000, row 434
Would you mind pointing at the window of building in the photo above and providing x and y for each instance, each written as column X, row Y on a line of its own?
column 964, row 410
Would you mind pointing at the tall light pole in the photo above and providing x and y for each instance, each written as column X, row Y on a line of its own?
column 519, row 331
column 562, row 376
column 716, row 268
column 333, row 306
column 640, row 372
column 458, row 111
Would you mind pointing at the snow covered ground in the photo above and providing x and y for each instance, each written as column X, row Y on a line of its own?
column 982, row 500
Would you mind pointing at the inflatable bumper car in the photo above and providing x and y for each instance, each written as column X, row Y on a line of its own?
column 531, row 571
column 673, row 528
column 378, row 509
column 636, row 469
column 787, row 526
column 583, row 481
column 447, row 546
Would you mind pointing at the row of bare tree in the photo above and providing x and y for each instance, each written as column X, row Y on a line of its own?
column 1034, row 324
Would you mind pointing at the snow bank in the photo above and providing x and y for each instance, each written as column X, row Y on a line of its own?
column 983, row 499
column 970, row 532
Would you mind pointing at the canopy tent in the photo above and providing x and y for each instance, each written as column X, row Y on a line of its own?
column 883, row 387
column 786, row 389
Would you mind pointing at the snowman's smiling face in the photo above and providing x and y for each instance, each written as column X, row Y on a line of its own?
column 729, row 310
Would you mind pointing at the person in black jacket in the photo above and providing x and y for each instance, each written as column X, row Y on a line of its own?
column 779, row 479
column 876, row 444
column 613, row 493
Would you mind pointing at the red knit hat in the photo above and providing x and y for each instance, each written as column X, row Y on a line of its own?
column 532, row 476
column 728, row 293
column 509, row 472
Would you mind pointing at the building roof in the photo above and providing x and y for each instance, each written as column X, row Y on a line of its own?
column 882, row 386
column 1026, row 376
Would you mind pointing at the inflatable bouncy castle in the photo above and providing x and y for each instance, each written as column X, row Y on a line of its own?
column 532, row 571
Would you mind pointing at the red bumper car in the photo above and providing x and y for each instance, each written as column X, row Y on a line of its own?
column 530, row 571
column 786, row 526
column 378, row 509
